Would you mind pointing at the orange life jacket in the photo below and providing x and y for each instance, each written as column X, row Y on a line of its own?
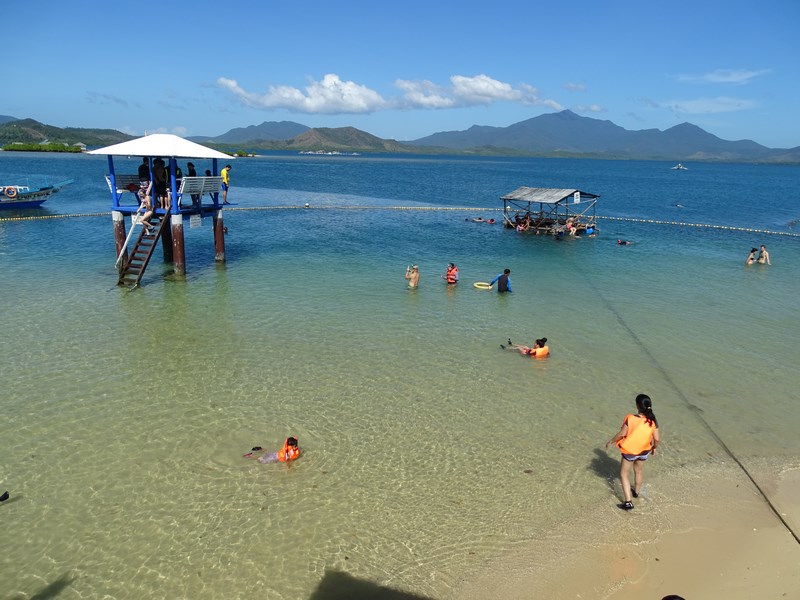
column 542, row 352
column 452, row 274
column 639, row 437
column 288, row 453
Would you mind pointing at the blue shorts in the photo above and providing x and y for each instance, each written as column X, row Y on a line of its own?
column 635, row 457
column 224, row 187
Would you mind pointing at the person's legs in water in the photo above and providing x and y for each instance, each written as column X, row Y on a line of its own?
column 638, row 476
column 625, row 479
column 269, row 457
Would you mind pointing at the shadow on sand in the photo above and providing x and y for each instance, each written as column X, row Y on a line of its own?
column 336, row 585
column 604, row 466
column 54, row 589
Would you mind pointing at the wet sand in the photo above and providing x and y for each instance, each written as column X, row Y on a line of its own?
column 723, row 542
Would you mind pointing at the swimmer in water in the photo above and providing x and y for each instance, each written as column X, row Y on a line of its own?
column 289, row 452
column 751, row 258
column 540, row 349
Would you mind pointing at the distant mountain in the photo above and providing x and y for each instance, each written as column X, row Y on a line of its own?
column 29, row 131
column 268, row 131
column 562, row 134
column 567, row 134
column 341, row 139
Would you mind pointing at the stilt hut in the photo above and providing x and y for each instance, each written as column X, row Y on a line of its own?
column 194, row 197
column 549, row 211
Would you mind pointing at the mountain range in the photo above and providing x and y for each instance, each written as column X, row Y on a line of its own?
column 562, row 134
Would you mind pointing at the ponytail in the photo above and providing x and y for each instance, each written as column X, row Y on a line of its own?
column 645, row 407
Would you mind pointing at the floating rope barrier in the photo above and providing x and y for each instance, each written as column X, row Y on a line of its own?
column 472, row 209
column 700, row 225
column 42, row 217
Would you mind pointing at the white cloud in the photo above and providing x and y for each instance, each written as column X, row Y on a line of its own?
column 725, row 76
column 329, row 96
column 574, row 87
column 700, row 106
column 482, row 89
column 424, row 94
column 334, row 96
column 99, row 98
column 591, row 108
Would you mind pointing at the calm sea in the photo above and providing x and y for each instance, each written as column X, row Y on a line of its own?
column 428, row 451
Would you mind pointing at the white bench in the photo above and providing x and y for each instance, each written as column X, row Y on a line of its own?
column 200, row 185
column 123, row 182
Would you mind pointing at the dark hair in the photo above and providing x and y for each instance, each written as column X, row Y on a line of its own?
column 645, row 407
column 541, row 342
column 753, row 249
column 291, row 441
column 506, row 271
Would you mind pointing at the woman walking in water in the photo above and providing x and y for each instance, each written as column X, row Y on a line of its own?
column 637, row 439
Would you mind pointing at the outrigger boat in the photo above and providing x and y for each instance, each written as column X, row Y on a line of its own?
column 24, row 196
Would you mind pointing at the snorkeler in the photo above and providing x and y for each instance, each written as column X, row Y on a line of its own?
column 288, row 453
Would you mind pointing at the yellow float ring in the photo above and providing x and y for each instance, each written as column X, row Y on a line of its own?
column 10, row 192
column 482, row 285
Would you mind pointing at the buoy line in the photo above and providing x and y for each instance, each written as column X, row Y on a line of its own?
column 435, row 209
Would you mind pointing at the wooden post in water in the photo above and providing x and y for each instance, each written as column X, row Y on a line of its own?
column 166, row 242
column 178, row 251
column 219, row 236
column 119, row 234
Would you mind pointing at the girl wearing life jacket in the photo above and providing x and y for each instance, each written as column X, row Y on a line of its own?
column 289, row 452
column 540, row 349
column 637, row 439
column 451, row 276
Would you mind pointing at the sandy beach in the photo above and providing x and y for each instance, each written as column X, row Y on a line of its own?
column 722, row 542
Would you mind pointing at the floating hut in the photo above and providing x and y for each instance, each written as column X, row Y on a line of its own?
column 550, row 211
column 192, row 197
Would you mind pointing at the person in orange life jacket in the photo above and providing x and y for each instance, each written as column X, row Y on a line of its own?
column 451, row 276
column 503, row 281
column 540, row 348
column 637, row 439
column 288, row 453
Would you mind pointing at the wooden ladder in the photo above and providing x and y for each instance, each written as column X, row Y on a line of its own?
column 132, row 270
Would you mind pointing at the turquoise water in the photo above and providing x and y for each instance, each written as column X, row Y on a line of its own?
column 428, row 451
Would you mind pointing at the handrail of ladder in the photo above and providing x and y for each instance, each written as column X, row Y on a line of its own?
column 130, row 235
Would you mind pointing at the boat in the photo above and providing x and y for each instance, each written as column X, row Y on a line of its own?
column 679, row 167
column 24, row 196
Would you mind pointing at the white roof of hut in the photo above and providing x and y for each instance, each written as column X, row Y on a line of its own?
column 545, row 195
column 161, row 144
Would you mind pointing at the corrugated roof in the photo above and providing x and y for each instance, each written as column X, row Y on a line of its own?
column 163, row 145
column 544, row 195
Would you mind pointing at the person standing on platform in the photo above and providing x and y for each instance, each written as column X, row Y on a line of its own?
column 503, row 281
column 190, row 172
column 226, row 181
column 144, row 170
column 160, row 182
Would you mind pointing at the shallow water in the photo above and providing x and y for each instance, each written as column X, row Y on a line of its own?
column 428, row 450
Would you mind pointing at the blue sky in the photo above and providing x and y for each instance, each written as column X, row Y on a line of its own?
column 404, row 70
